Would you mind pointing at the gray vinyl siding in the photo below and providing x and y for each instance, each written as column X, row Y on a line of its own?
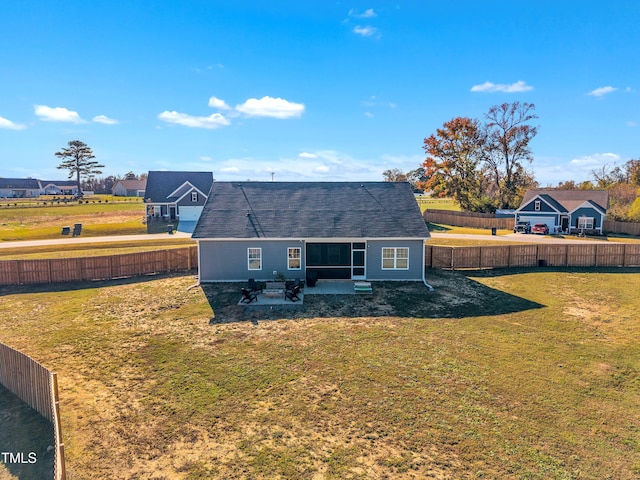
column 374, row 260
column 226, row 261
column 544, row 207
column 586, row 212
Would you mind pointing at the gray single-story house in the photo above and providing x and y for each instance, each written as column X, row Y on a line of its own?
column 129, row 188
column 339, row 230
column 571, row 211
column 177, row 195
column 19, row 188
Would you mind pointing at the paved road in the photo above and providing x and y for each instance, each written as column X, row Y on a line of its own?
column 518, row 237
column 77, row 240
column 513, row 237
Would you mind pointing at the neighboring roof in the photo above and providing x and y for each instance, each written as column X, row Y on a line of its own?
column 132, row 184
column 59, row 183
column 311, row 210
column 569, row 200
column 161, row 184
column 20, row 183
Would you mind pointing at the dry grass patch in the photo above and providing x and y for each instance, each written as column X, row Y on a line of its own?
column 489, row 376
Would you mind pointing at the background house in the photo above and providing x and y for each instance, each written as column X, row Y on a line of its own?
column 339, row 230
column 19, row 188
column 565, row 210
column 129, row 188
column 176, row 195
column 58, row 187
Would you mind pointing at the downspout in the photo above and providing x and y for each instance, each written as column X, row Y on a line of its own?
column 424, row 268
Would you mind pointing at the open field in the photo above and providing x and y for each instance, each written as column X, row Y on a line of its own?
column 69, row 250
column 497, row 374
column 40, row 222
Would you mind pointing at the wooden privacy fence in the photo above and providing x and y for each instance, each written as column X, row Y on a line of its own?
column 501, row 256
column 20, row 272
column 621, row 227
column 36, row 386
column 468, row 219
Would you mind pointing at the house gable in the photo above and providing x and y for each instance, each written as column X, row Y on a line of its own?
column 162, row 186
column 543, row 204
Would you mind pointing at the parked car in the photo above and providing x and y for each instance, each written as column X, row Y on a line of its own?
column 540, row 228
column 522, row 227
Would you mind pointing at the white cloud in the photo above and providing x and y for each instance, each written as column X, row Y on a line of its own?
column 215, row 120
column 368, row 114
column 206, row 159
column 368, row 13
column 57, row 114
column 631, row 123
column 599, row 92
column 271, row 107
column 490, row 87
column 594, row 160
column 218, row 103
column 307, row 155
column 367, row 31
column 9, row 125
column 105, row 120
column 230, row 170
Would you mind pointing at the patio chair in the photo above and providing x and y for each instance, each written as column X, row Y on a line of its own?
column 255, row 286
column 248, row 296
column 292, row 294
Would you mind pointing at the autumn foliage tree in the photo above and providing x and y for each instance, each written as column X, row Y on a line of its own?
column 482, row 166
column 454, row 154
column 507, row 150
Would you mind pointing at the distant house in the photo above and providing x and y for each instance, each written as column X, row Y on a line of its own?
column 565, row 210
column 177, row 195
column 129, row 188
column 338, row 230
column 19, row 188
column 58, row 187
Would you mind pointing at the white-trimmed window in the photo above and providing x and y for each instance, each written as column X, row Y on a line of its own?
column 536, row 205
column 194, row 196
column 585, row 222
column 395, row 258
column 254, row 258
column 293, row 258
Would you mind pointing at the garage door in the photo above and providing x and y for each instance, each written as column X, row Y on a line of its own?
column 190, row 214
column 549, row 221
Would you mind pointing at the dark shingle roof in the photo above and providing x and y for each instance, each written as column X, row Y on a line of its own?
column 569, row 199
column 311, row 210
column 59, row 183
column 133, row 184
column 161, row 184
column 20, row 183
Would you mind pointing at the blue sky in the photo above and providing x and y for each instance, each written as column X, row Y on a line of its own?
column 310, row 90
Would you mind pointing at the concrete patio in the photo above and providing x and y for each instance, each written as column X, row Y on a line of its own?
column 323, row 287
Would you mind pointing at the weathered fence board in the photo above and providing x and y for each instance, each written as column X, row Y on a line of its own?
column 36, row 386
column 501, row 256
column 23, row 272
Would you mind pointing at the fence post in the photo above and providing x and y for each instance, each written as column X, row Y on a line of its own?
column 49, row 270
column 167, row 260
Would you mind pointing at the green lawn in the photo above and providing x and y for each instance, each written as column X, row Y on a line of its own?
column 499, row 374
column 437, row 203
